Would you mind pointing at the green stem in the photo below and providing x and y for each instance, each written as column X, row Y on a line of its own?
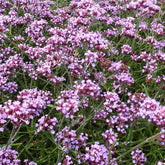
column 13, row 135
column 137, row 146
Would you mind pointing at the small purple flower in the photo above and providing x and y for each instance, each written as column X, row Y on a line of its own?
column 69, row 139
column 8, row 156
column 138, row 157
column 126, row 49
column 68, row 103
column 96, row 154
column 46, row 123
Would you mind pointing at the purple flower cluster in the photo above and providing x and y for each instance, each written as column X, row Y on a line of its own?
column 120, row 76
column 87, row 8
column 111, row 101
column 46, row 123
column 100, row 114
column 68, row 103
column 69, row 139
column 138, row 157
column 29, row 104
column 145, row 7
column 128, row 27
column 161, row 138
column 143, row 26
column 88, row 88
column 7, row 69
column 34, row 30
column 3, row 120
column 157, row 27
column 76, row 69
column 93, row 58
column 126, row 49
column 148, row 107
column 66, row 161
column 96, row 154
column 111, row 138
column 152, row 109
column 93, row 39
column 8, row 156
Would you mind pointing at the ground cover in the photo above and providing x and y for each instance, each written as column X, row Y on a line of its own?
column 82, row 82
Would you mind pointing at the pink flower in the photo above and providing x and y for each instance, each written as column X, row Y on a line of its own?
column 126, row 49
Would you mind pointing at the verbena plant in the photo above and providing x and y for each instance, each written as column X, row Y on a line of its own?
column 82, row 82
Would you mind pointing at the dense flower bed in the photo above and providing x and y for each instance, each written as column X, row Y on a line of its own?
column 82, row 82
